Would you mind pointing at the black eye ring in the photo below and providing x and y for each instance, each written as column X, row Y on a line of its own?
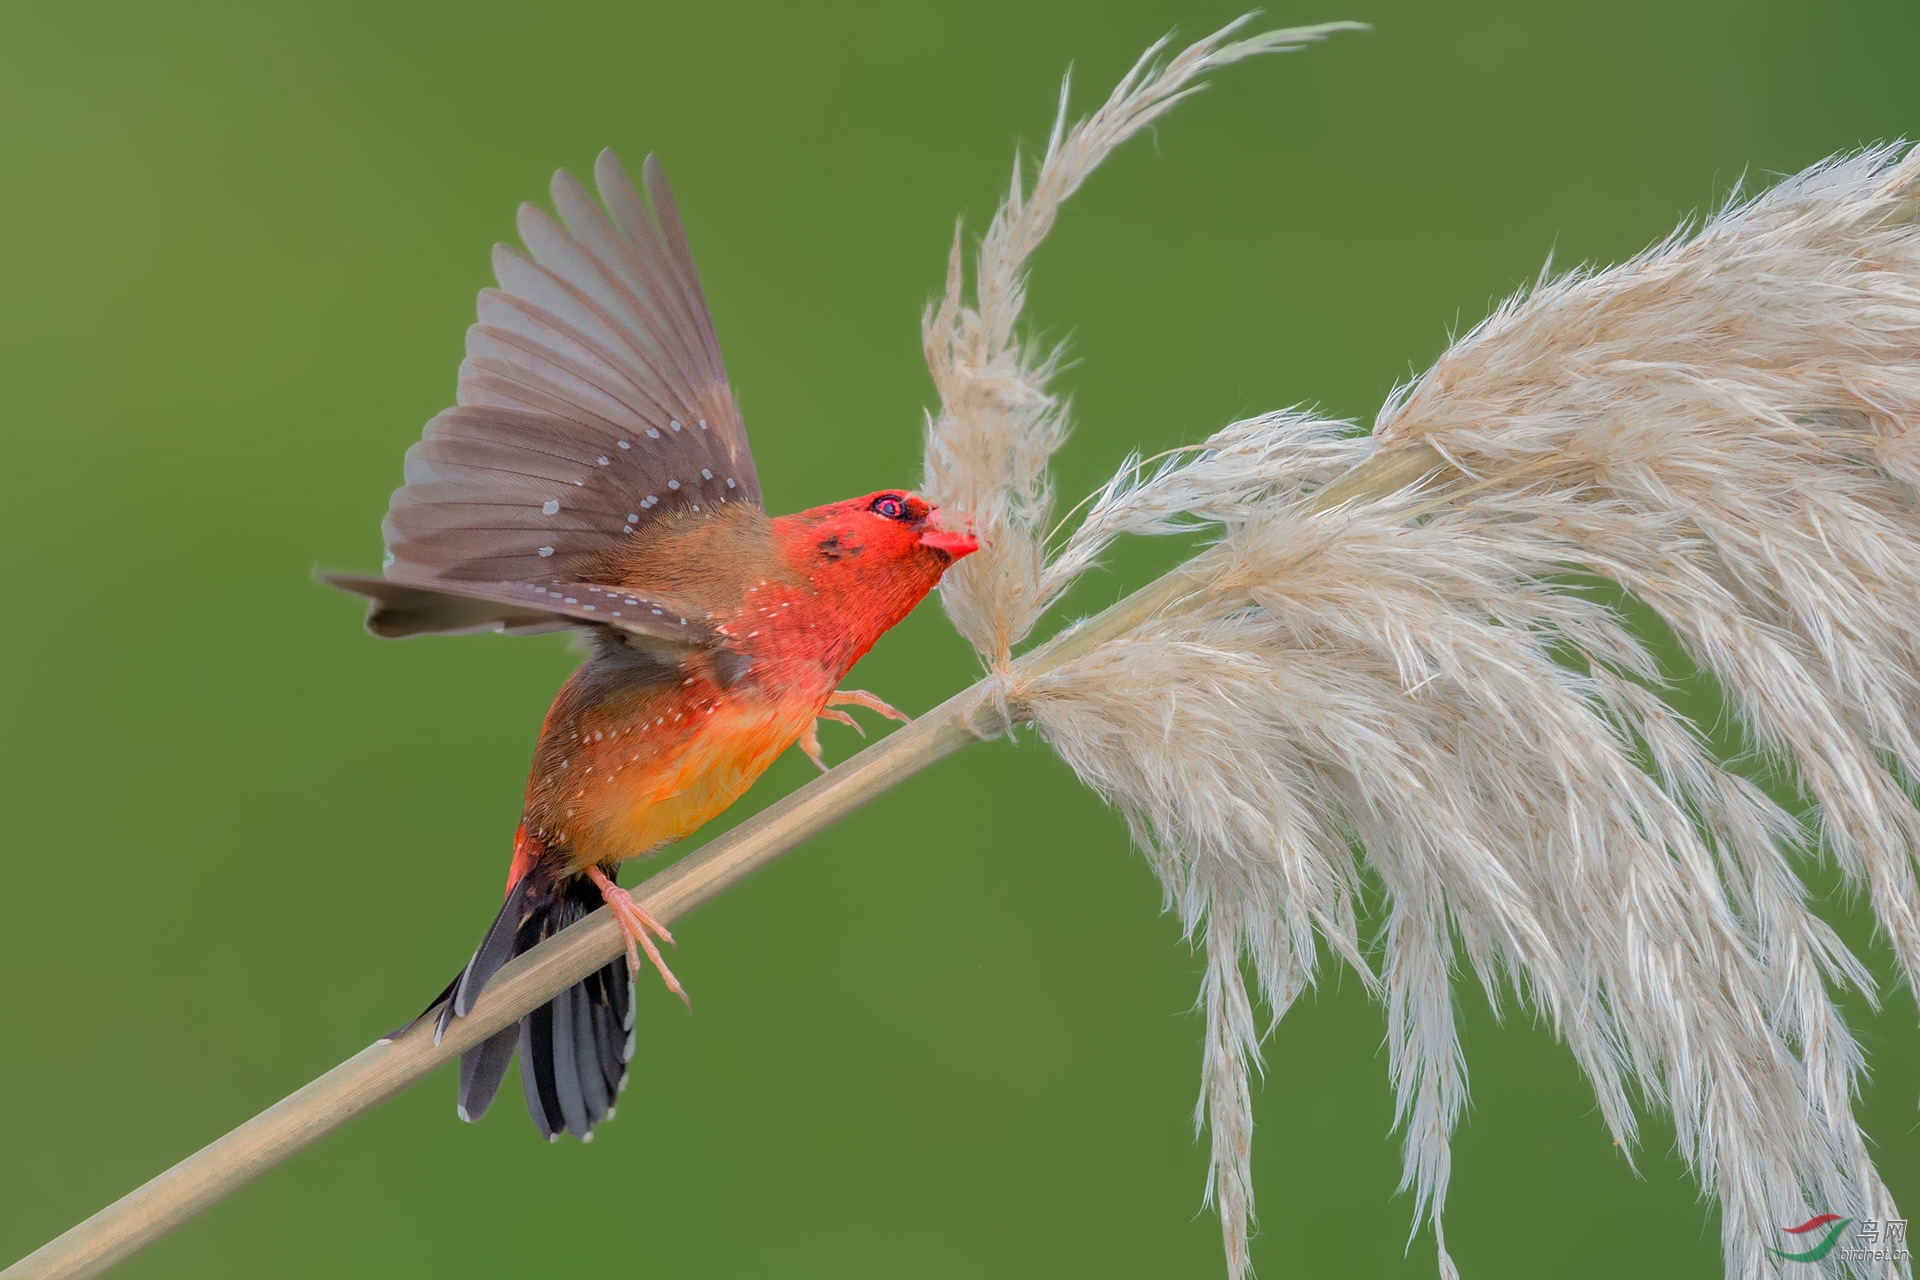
column 889, row 505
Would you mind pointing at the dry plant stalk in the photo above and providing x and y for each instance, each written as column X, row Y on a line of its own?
column 381, row 1070
column 1725, row 427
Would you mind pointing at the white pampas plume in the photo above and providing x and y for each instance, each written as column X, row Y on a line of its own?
column 987, row 450
column 1406, row 649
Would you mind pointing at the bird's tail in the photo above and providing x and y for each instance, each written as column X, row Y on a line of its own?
column 574, row 1049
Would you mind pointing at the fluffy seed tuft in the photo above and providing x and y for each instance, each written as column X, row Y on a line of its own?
column 1436, row 674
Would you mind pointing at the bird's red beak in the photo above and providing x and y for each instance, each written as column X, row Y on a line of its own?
column 953, row 542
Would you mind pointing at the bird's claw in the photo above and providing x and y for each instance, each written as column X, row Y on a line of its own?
column 810, row 737
column 636, row 922
column 861, row 698
column 841, row 717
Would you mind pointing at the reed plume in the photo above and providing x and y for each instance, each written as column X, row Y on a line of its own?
column 999, row 424
column 1437, row 683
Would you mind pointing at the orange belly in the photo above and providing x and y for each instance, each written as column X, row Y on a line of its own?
column 701, row 775
column 656, row 770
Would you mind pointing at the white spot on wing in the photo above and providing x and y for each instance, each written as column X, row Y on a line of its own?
column 546, row 551
column 550, row 507
column 705, row 474
column 673, row 484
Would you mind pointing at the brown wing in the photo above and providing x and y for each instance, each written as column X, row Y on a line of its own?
column 521, row 608
column 593, row 401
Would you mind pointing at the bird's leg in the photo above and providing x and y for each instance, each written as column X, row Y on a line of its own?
column 635, row 924
column 861, row 698
column 810, row 744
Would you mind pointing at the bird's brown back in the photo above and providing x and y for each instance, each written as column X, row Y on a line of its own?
column 704, row 561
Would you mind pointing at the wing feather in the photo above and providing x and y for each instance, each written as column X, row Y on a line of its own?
column 594, row 296
column 593, row 401
column 402, row 608
column 664, row 262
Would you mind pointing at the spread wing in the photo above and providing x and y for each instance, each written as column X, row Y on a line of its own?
column 592, row 402
column 521, row 608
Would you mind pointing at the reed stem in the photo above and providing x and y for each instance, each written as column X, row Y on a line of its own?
column 381, row 1070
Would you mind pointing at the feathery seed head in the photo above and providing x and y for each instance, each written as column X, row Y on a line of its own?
column 1398, row 653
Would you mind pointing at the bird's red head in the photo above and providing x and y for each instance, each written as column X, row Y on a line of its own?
column 873, row 559
column 889, row 533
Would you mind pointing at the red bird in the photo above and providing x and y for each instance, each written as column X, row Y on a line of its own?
column 595, row 474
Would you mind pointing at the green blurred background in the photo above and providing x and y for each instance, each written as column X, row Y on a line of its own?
column 952, row 1037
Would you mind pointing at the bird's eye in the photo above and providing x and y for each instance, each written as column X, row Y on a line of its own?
column 890, row 505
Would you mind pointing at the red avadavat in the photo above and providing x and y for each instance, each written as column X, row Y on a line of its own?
column 595, row 474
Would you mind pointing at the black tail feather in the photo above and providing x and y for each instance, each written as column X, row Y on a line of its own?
column 610, row 997
column 494, row 950
column 446, row 994
column 481, row 1070
column 566, row 1069
column 536, row 1073
column 573, row 1050
column 586, row 1056
column 536, row 1050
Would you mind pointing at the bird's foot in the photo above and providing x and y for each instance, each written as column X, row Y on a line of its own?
column 861, row 698
column 636, row 922
column 810, row 738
